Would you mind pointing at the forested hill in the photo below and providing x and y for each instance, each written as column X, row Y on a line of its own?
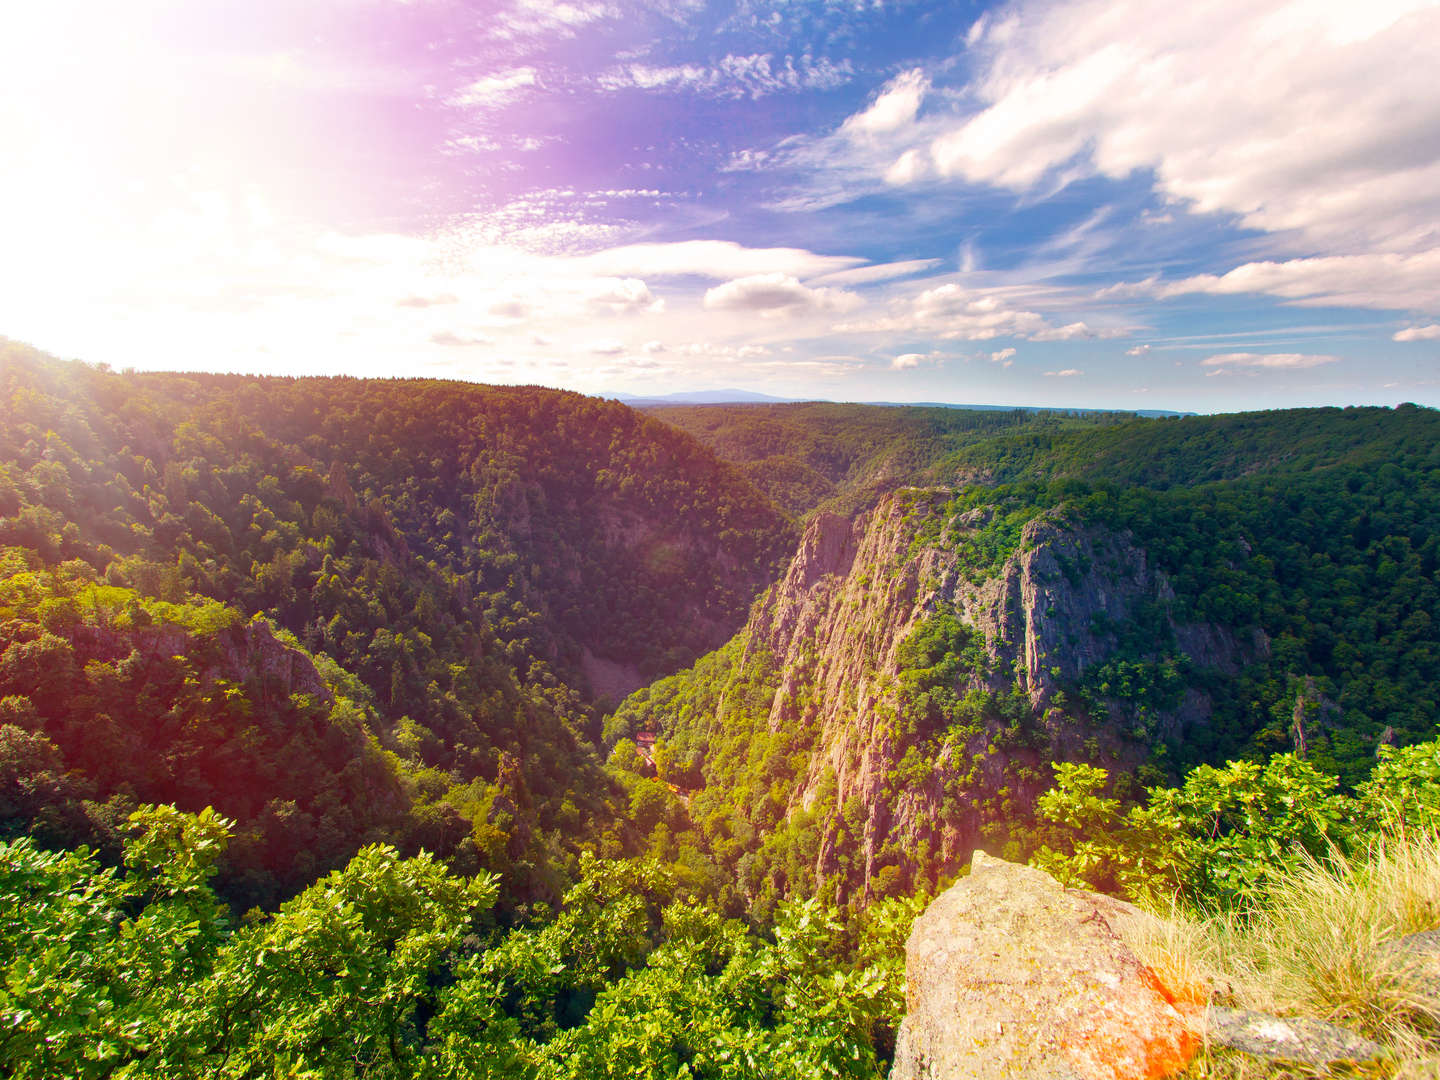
column 466, row 568
column 844, row 457
column 1144, row 596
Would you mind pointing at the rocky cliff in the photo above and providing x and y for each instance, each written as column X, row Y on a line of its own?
column 931, row 690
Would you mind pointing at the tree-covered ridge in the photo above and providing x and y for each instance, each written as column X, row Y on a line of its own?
column 1293, row 604
column 453, row 555
column 845, row 456
column 1334, row 571
column 1190, row 450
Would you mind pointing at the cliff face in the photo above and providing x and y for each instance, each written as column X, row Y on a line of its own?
column 901, row 788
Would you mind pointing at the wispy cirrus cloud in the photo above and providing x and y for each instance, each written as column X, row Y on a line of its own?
column 1271, row 361
column 1418, row 333
column 753, row 76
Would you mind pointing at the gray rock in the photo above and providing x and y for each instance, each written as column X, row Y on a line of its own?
column 1288, row 1039
column 1009, row 974
column 1419, row 957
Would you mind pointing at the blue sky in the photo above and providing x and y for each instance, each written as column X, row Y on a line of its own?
column 1102, row 204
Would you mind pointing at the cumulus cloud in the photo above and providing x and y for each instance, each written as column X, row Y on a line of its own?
column 1419, row 333
column 1138, row 350
column 1314, row 119
column 1280, row 361
column 906, row 361
column 777, row 294
column 953, row 311
column 1004, row 357
column 895, row 107
column 621, row 296
column 1066, row 373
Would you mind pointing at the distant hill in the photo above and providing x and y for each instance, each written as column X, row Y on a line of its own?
column 696, row 397
column 748, row 397
column 809, row 455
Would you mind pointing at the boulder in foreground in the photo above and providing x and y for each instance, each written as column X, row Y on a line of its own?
column 1009, row 974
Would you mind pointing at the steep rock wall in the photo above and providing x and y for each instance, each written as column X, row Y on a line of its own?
column 899, row 796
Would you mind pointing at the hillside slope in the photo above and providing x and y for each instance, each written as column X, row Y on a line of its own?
column 484, row 562
column 900, row 695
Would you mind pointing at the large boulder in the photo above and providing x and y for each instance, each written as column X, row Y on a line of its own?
column 1010, row 974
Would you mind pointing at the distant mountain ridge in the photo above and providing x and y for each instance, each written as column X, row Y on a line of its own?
column 745, row 397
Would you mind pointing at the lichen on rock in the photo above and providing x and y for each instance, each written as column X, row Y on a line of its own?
column 1009, row 974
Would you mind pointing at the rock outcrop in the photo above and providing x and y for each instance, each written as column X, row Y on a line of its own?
column 1011, row 975
column 1275, row 1038
column 832, row 631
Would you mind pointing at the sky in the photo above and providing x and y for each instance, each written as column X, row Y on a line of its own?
column 1129, row 204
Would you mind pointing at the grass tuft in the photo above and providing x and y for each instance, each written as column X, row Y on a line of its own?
column 1318, row 945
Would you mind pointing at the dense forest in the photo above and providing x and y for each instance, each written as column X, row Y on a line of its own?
column 1295, row 555
column 341, row 611
column 408, row 728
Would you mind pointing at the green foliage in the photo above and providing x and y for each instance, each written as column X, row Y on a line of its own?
column 1226, row 834
column 442, row 554
column 387, row 968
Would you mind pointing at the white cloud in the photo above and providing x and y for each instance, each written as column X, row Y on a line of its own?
column 1075, row 331
column 1378, row 280
column 493, row 91
column 1419, row 333
column 715, row 259
column 755, row 75
column 866, row 275
column 1067, row 373
column 777, row 294
column 1005, row 357
column 954, row 311
column 1138, row 350
column 416, row 300
column 905, row 361
column 895, row 107
column 908, row 168
column 606, row 347
column 621, row 296
column 1314, row 119
column 1281, row 361
column 539, row 18
column 450, row 338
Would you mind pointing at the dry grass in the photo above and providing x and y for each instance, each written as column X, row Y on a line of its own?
column 1317, row 948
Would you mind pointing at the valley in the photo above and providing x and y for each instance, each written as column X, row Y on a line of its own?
column 655, row 710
